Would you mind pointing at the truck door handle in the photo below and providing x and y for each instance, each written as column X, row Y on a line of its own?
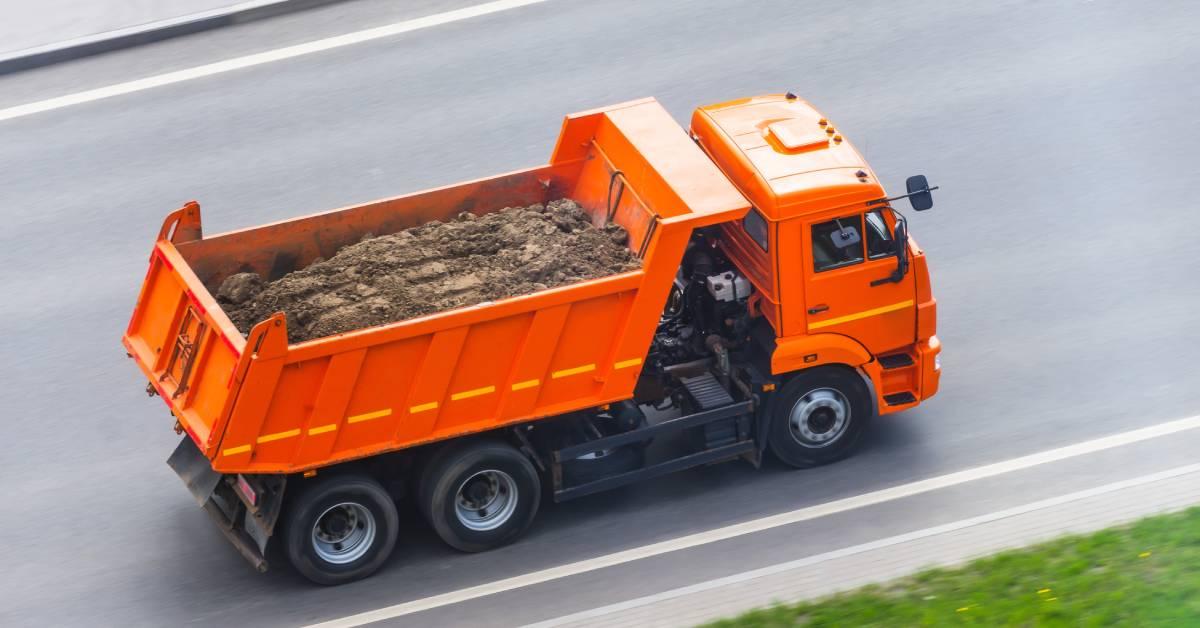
column 817, row 309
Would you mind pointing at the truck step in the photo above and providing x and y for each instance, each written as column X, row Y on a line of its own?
column 707, row 391
column 900, row 398
column 895, row 361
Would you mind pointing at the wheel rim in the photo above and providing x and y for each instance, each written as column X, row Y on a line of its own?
column 486, row 500
column 343, row 533
column 819, row 417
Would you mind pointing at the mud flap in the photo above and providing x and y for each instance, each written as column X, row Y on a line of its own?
column 193, row 468
column 247, row 526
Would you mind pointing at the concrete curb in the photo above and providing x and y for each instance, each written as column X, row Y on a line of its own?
column 240, row 13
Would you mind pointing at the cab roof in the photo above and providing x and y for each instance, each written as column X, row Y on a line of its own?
column 786, row 157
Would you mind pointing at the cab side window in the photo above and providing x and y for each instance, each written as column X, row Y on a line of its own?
column 837, row 243
column 879, row 239
column 756, row 227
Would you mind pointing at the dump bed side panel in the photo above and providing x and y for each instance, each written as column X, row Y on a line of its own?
column 442, row 379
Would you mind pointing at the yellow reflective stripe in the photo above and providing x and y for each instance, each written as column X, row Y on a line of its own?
column 624, row 364
column 432, row 405
column 322, row 429
column 475, row 392
column 529, row 383
column 233, row 451
column 266, row 438
column 853, row 317
column 358, row 418
column 575, row 371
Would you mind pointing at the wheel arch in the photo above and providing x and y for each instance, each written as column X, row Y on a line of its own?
column 800, row 353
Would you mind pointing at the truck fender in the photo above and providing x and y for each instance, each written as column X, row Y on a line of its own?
column 803, row 352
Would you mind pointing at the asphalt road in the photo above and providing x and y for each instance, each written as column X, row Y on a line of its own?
column 1063, row 250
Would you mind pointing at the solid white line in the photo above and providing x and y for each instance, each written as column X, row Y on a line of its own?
column 867, row 547
column 766, row 523
column 260, row 58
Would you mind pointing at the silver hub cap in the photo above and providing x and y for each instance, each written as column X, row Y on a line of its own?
column 486, row 500
column 819, row 417
column 343, row 533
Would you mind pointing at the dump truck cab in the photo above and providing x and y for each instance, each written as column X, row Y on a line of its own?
column 819, row 246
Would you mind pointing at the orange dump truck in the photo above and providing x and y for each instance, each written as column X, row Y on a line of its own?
column 780, row 304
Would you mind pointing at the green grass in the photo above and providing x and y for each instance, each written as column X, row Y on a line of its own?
column 1144, row 574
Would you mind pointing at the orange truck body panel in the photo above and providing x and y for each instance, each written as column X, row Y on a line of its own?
column 261, row 405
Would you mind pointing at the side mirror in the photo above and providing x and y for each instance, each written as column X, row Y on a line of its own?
column 919, row 192
column 845, row 237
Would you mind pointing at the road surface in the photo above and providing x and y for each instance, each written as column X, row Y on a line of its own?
column 1063, row 248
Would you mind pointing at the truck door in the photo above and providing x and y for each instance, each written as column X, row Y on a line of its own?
column 845, row 259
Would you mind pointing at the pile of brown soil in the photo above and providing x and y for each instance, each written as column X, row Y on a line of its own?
column 433, row 267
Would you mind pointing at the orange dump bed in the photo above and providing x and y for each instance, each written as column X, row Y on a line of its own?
column 260, row 405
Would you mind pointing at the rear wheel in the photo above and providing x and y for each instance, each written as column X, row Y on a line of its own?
column 340, row 528
column 479, row 495
column 818, row 416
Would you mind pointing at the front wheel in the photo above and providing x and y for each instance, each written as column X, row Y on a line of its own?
column 340, row 528
column 818, row 416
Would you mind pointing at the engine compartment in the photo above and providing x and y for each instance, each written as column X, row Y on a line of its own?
column 707, row 317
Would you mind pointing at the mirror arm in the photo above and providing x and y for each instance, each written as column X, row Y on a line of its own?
column 896, row 198
column 841, row 227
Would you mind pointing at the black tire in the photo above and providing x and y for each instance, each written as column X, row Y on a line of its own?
column 819, row 434
column 340, row 507
column 500, row 488
column 604, row 464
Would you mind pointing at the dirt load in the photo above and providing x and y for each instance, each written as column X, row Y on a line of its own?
column 433, row 267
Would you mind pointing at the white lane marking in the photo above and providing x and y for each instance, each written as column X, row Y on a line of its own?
column 766, row 523
column 867, row 547
column 260, row 58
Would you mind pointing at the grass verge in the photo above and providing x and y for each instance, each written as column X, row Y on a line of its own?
column 1145, row 573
